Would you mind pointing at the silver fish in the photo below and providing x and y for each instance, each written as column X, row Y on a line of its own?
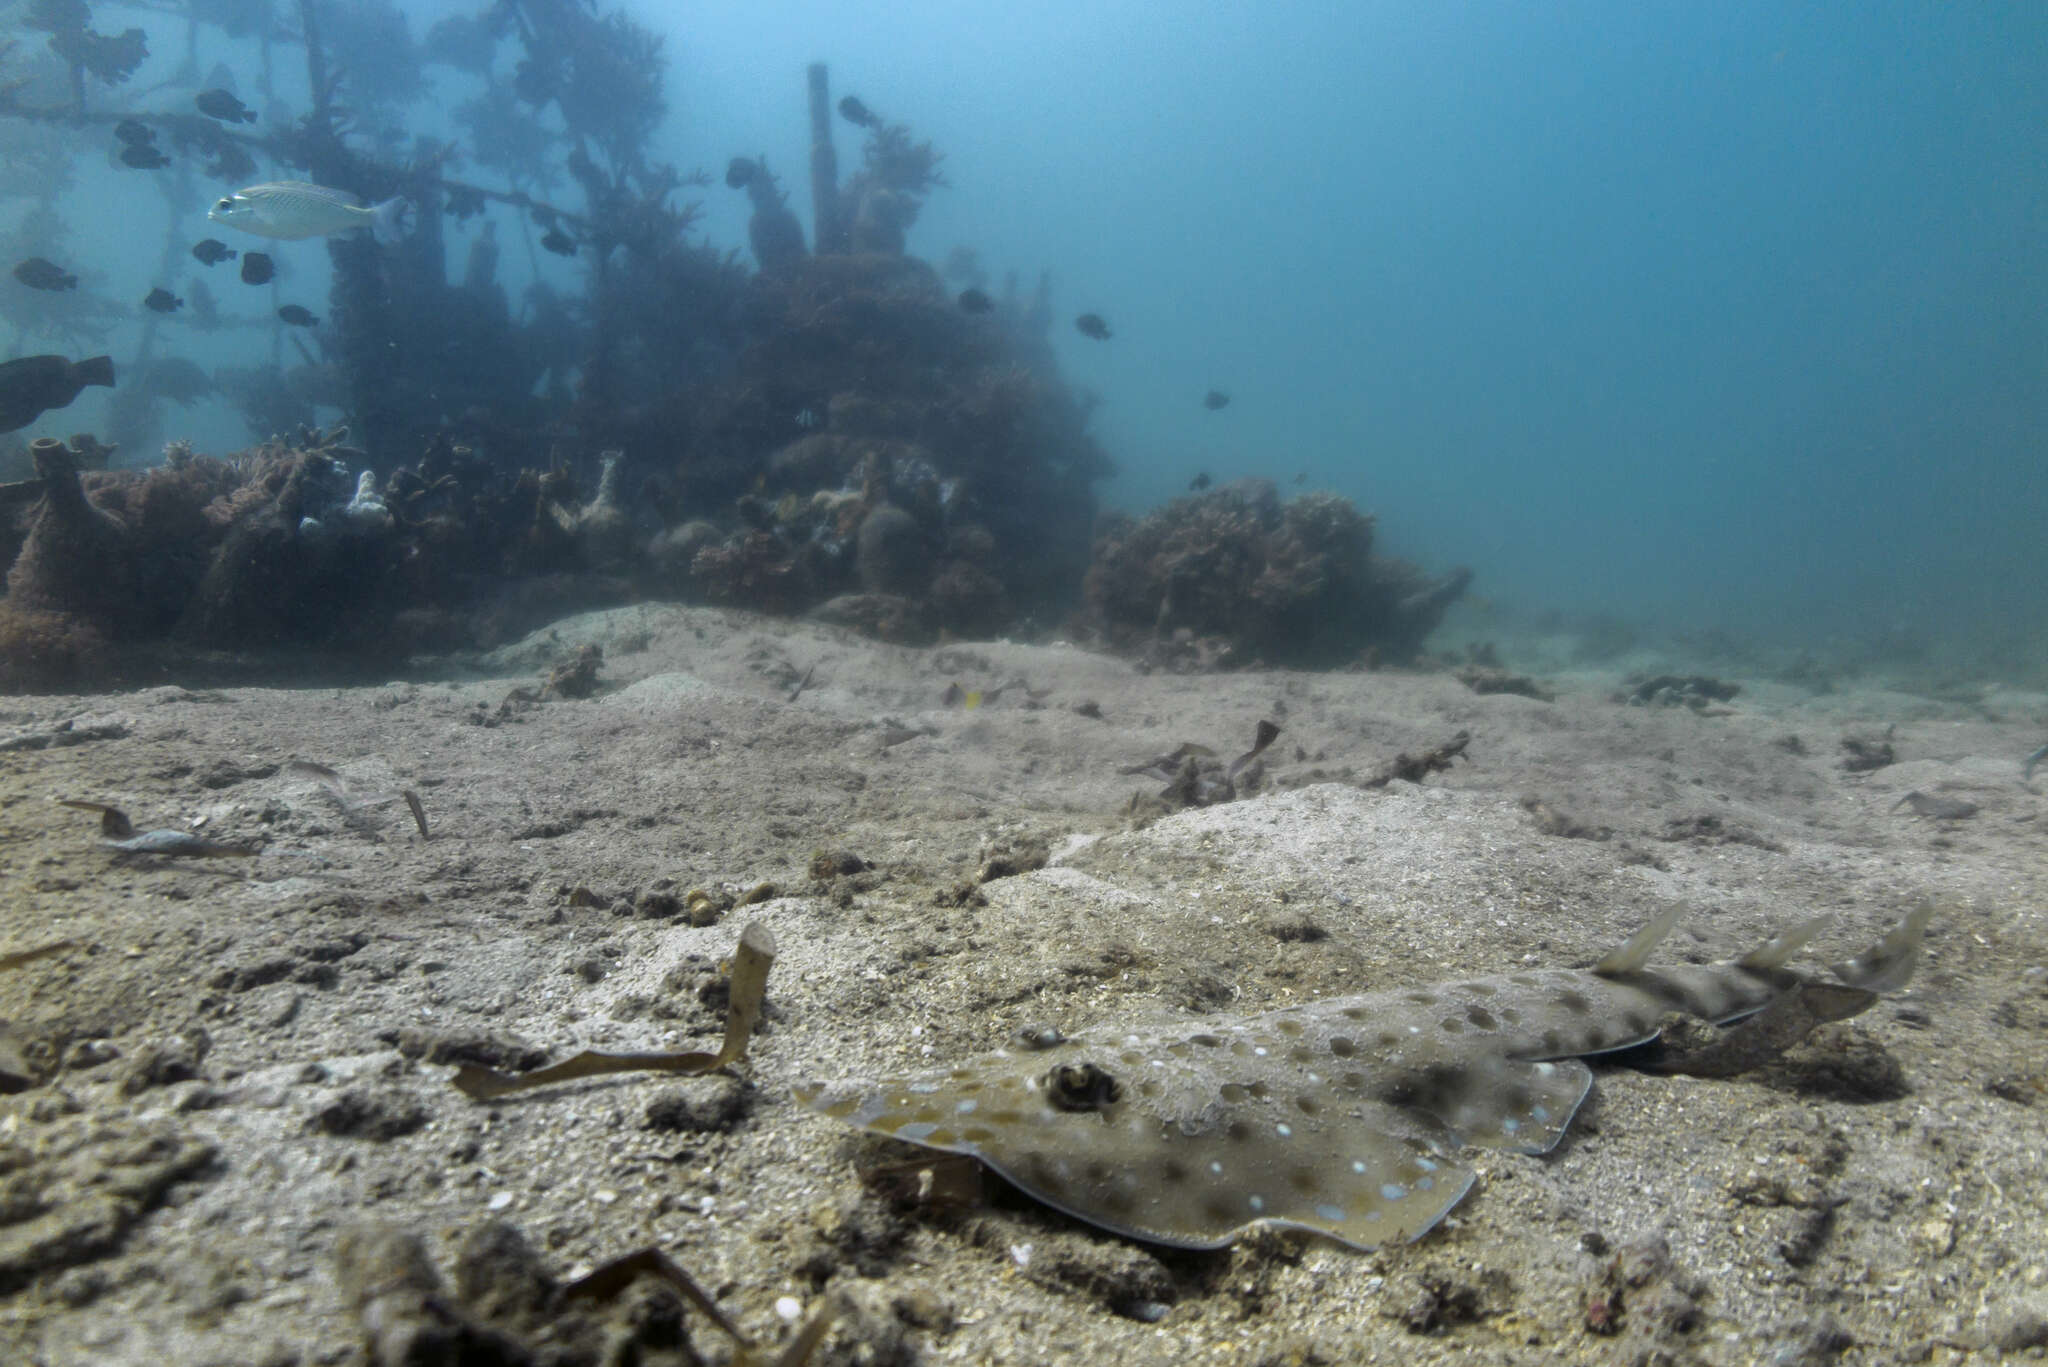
column 293, row 209
column 1344, row 1117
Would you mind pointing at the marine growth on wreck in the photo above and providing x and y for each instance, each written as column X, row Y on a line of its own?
column 822, row 423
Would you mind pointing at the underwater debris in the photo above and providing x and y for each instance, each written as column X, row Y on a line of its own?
column 508, row 1310
column 211, row 251
column 1863, row 754
column 70, row 731
column 257, row 268
column 1262, row 736
column 1195, row 777
column 162, row 301
column 1493, row 679
column 751, row 960
column 1092, row 325
column 1343, row 1117
column 576, row 678
column 1215, row 400
column 1935, row 808
column 219, row 104
column 21, row 958
column 419, row 812
column 1551, row 821
column 31, row 386
column 972, row 300
column 801, row 684
column 39, row 274
column 2027, row 769
column 1414, row 768
column 298, row 316
column 1696, row 691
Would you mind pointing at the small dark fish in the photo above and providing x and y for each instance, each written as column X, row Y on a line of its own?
column 39, row 274
column 135, row 133
column 1200, row 482
column 33, row 385
column 1215, row 399
column 1301, row 478
column 559, row 242
column 212, row 251
column 298, row 316
column 975, row 301
column 257, row 268
column 854, row 112
column 740, row 172
column 163, row 301
column 1092, row 325
column 218, row 104
column 143, row 156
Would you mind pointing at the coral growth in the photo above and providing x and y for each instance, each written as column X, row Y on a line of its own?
column 1234, row 576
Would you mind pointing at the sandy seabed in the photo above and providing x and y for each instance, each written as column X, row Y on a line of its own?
column 236, row 1063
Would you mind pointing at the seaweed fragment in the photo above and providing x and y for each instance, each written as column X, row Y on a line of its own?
column 1862, row 754
column 751, row 961
column 1414, row 768
column 1696, row 691
column 419, row 813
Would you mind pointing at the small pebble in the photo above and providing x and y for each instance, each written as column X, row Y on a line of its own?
column 501, row 1201
column 788, row 1308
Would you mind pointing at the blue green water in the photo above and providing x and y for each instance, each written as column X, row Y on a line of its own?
column 1713, row 315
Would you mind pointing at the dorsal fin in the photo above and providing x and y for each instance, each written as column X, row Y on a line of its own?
column 1890, row 962
column 1776, row 951
column 1633, row 955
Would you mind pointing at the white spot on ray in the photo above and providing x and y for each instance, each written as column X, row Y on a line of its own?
column 1216, row 1168
column 966, row 1107
column 1357, row 1166
column 1286, row 1132
column 1257, row 1203
column 1392, row 1191
column 1334, row 1214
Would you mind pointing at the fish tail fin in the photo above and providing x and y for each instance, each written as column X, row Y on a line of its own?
column 95, row 370
column 1887, row 964
column 1632, row 956
column 392, row 220
column 1779, row 949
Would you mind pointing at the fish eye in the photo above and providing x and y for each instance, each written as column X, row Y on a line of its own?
column 225, row 204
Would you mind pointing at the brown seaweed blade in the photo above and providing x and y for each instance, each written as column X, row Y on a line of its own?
column 607, row 1282
column 750, row 964
column 114, row 823
column 419, row 813
column 23, row 957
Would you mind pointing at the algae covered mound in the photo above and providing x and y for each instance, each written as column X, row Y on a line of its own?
column 1235, row 576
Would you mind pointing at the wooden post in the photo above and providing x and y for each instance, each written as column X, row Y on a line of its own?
column 828, row 229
